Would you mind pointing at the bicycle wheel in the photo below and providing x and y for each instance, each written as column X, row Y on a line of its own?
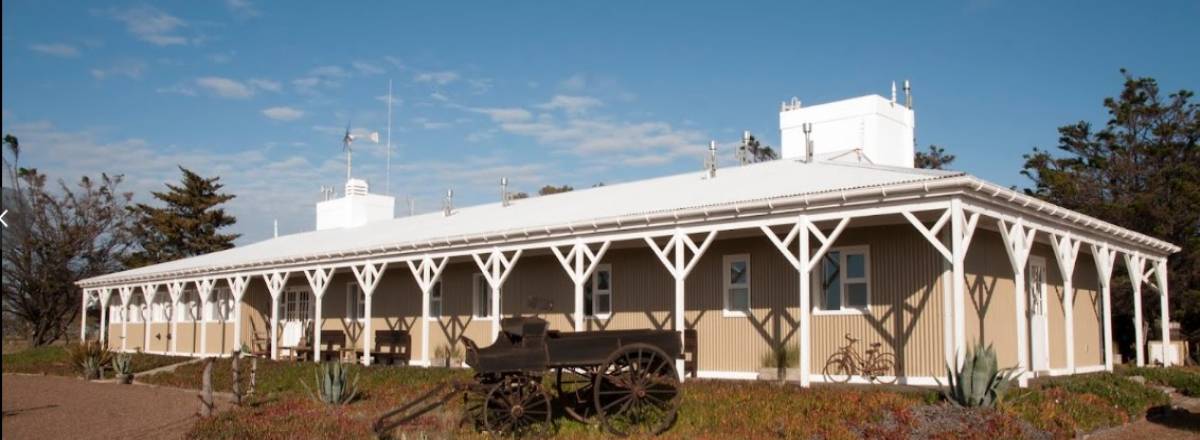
column 883, row 369
column 838, row 369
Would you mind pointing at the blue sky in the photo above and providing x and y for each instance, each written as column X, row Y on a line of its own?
column 542, row 93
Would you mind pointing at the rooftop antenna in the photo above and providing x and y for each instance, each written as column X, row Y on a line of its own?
column 907, row 94
column 743, row 153
column 276, row 228
column 412, row 206
column 503, row 191
column 893, row 93
column 346, row 141
column 710, row 162
column 448, row 203
column 808, row 144
column 326, row 192
column 387, row 188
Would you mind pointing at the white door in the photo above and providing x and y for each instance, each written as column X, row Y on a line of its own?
column 1039, row 339
column 295, row 316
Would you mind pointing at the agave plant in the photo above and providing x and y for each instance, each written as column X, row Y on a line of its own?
column 122, row 365
column 334, row 385
column 979, row 383
column 90, row 358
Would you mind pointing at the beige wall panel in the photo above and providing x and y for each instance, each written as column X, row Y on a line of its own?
column 158, row 337
column 134, row 337
column 188, row 337
column 991, row 302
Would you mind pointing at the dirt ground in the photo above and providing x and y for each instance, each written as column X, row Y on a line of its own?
column 41, row 407
column 1181, row 421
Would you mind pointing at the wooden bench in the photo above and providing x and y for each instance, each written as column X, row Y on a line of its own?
column 333, row 346
column 392, row 346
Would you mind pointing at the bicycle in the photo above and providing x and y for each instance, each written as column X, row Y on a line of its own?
column 846, row 362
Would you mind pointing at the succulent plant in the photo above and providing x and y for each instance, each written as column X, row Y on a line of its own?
column 334, row 384
column 979, row 383
column 122, row 365
column 90, row 358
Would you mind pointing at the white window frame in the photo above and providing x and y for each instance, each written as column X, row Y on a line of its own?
column 435, row 301
column 476, row 280
column 356, row 302
column 728, row 286
column 844, row 279
column 304, row 308
column 594, row 280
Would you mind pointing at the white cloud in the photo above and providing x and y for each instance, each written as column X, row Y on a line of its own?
column 329, row 72
column 152, row 25
column 632, row 143
column 266, row 84
column 225, row 87
column 56, row 49
column 439, row 78
column 178, row 89
column 283, row 113
column 242, row 8
column 575, row 82
column 571, row 104
column 367, row 68
column 221, row 58
column 509, row 114
column 428, row 124
column 132, row 69
column 438, row 96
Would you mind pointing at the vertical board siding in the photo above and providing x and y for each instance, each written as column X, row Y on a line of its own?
column 991, row 297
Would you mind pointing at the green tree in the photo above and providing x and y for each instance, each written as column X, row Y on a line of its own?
column 188, row 223
column 1141, row 170
column 56, row 236
column 753, row 151
column 551, row 189
column 935, row 159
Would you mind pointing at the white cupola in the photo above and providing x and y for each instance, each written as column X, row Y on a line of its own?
column 356, row 208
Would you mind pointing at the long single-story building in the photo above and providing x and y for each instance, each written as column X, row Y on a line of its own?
column 842, row 236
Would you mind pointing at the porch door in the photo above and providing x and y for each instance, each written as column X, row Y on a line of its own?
column 295, row 316
column 1039, row 338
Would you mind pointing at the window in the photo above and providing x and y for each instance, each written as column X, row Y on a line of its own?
column 737, row 284
column 356, row 302
column 220, row 305
column 483, row 297
column 295, row 304
column 435, row 300
column 115, row 314
column 844, row 278
column 597, row 294
column 160, row 308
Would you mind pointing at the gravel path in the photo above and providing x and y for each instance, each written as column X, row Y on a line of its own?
column 41, row 407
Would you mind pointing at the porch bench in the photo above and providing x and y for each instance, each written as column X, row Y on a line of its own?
column 392, row 346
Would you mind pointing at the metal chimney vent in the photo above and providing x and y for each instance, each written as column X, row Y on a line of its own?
column 504, row 200
column 448, row 203
column 710, row 162
column 808, row 144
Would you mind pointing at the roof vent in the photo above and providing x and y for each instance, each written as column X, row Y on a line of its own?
column 356, row 187
column 504, row 191
column 448, row 203
column 808, row 143
column 710, row 162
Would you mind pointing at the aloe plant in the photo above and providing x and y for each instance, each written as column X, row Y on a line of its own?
column 334, row 385
column 90, row 358
column 122, row 365
column 979, row 382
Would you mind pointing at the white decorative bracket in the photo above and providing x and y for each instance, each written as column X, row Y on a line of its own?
column 368, row 276
column 1066, row 252
column 1105, row 259
column 497, row 267
column 318, row 280
column 276, row 281
column 579, row 263
column 426, row 274
column 175, row 290
column 678, row 244
column 1018, row 242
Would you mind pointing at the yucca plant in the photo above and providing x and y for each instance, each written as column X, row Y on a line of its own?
column 90, row 358
column 980, row 382
column 334, row 384
column 122, row 364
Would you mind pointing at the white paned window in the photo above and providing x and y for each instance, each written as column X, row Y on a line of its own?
column 482, row 294
column 356, row 302
column 597, row 294
column 435, row 300
column 737, row 284
column 295, row 304
column 844, row 280
column 220, row 305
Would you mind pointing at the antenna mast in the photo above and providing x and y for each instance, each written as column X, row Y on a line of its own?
column 387, row 188
column 346, row 141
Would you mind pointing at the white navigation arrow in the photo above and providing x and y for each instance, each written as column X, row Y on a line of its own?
column 2, row 214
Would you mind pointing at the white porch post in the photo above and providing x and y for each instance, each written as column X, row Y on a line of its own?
column 1018, row 242
column 427, row 274
column 674, row 257
column 1136, row 265
column 83, row 316
column 148, row 292
column 237, row 289
column 804, row 263
column 204, row 287
column 962, row 229
column 1160, row 272
column 126, row 293
column 579, row 263
column 175, row 289
column 368, row 276
column 496, row 270
column 318, row 280
column 105, row 295
column 1066, row 251
column 1105, row 259
column 276, row 281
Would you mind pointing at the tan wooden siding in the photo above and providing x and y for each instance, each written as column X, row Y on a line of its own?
column 160, row 337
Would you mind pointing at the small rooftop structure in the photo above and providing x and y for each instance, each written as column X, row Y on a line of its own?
column 358, row 207
column 868, row 129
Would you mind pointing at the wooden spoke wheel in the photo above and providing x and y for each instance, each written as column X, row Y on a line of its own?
column 474, row 398
column 883, row 369
column 637, row 391
column 518, row 406
column 838, row 369
column 575, row 391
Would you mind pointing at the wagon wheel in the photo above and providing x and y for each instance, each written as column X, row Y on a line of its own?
column 838, row 369
column 574, row 386
column 637, row 391
column 474, row 398
column 883, row 369
column 518, row 405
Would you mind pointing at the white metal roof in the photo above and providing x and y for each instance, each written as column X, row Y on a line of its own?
column 783, row 178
